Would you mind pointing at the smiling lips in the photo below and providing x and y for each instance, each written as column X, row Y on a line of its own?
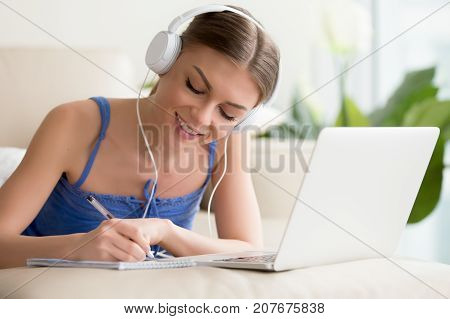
column 185, row 127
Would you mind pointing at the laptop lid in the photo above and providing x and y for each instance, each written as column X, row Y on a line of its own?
column 357, row 195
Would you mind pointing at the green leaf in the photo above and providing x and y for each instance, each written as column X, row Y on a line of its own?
column 350, row 115
column 265, row 134
column 446, row 133
column 416, row 86
column 430, row 190
column 429, row 113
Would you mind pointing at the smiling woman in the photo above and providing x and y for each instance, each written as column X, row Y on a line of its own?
column 226, row 67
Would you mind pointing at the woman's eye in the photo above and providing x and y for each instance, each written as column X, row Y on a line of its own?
column 226, row 116
column 222, row 112
column 189, row 85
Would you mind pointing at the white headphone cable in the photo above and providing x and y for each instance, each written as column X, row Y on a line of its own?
column 215, row 187
column 147, row 145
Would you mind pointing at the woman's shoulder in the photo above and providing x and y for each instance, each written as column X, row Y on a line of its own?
column 75, row 125
column 85, row 117
column 81, row 118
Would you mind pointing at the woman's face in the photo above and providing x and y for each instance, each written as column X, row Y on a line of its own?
column 206, row 94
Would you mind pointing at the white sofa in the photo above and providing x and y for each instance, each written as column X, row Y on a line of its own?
column 60, row 75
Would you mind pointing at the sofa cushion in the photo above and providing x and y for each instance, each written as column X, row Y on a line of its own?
column 10, row 158
column 371, row 278
column 35, row 80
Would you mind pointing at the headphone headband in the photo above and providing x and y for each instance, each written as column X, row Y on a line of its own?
column 178, row 21
column 166, row 46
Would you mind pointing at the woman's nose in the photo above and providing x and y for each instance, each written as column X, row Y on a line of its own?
column 202, row 117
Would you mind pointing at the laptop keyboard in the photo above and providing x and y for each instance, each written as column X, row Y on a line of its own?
column 253, row 259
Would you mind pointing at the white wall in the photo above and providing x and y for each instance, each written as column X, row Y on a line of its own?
column 294, row 25
column 130, row 25
column 425, row 44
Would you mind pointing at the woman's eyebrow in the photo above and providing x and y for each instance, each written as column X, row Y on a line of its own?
column 208, row 85
column 210, row 88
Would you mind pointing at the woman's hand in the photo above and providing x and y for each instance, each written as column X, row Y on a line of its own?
column 121, row 239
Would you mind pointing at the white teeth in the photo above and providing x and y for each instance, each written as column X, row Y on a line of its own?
column 186, row 127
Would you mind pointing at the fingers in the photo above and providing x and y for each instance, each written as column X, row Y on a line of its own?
column 125, row 249
column 133, row 232
column 107, row 256
column 127, row 237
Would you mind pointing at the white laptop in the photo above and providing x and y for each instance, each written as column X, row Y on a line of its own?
column 353, row 203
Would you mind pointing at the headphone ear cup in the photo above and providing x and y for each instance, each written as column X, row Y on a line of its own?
column 163, row 52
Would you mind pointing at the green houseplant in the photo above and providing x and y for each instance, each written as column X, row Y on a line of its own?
column 413, row 103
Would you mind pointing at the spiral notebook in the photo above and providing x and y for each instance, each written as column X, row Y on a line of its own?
column 119, row 265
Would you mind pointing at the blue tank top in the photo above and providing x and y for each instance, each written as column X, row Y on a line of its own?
column 67, row 211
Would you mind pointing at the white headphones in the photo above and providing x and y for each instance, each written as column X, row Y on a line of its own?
column 166, row 46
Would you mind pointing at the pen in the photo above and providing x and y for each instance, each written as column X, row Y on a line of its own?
column 102, row 210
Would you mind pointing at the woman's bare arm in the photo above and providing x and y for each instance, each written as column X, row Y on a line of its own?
column 25, row 192
column 183, row 242
column 16, row 249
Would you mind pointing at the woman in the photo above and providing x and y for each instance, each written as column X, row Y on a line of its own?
column 226, row 67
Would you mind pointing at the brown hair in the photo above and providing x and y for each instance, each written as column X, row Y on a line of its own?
column 239, row 39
